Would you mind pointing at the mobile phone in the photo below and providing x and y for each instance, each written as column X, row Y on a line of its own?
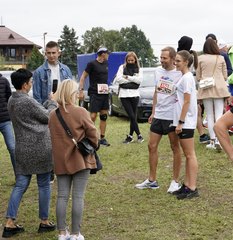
column 55, row 83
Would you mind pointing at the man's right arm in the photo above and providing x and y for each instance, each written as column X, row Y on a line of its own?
column 153, row 106
column 81, row 84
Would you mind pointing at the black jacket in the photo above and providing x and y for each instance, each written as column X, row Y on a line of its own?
column 5, row 93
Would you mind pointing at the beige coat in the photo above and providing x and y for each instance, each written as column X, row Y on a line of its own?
column 206, row 64
column 67, row 159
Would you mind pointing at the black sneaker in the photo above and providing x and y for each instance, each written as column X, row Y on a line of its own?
column 188, row 193
column 104, row 142
column 9, row 232
column 128, row 139
column 140, row 139
column 179, row 191
column 204, row 139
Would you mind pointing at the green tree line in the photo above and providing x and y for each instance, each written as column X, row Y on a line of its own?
column 127, row 39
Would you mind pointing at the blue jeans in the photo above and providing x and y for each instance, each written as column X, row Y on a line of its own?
column 22, row 183
column 9, row 138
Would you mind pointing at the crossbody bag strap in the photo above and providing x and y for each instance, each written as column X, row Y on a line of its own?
column 64, row 125
column 215, row 65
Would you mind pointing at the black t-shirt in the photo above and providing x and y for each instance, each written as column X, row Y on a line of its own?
column 98, row 73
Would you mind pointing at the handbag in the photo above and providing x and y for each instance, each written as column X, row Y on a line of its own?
column 208, row 82
column 84, row 146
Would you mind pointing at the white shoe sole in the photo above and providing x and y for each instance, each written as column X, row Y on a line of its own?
column 141, row 187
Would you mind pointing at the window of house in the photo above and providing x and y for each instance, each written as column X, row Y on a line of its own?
column 12, row 52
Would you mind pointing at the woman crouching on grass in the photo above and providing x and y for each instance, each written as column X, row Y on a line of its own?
column 185, row 120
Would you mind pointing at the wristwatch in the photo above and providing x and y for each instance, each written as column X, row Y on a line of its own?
column 81, row 89
column 181, row 122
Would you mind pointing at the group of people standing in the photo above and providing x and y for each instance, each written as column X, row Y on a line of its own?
column 175, row 112
column 185, row 104
column 42, row 146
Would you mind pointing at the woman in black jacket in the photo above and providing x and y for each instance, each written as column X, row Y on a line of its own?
column 5, row 122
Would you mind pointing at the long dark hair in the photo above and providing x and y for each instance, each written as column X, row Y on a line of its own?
column 211, row 47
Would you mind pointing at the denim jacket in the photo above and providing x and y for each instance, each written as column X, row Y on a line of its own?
column 42, row 84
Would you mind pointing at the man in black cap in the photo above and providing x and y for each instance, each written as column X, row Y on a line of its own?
column 97, row 71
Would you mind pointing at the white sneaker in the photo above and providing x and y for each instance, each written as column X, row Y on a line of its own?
column 217, row 145
column 147, row 184
column 75, row 237
column 174, row 186
column 64, row 237
column 211, row 145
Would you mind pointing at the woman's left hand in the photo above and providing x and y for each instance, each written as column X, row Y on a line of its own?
column 178, row 129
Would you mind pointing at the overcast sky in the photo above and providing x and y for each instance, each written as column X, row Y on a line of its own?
column 162, row 21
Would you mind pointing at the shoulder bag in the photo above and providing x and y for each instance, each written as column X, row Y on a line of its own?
column 209, row 81
column 84, row 146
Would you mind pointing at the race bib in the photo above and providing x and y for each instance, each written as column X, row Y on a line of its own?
column 165, row 87
column 102, row 88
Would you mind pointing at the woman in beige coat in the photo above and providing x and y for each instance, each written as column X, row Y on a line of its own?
column 71, row 168
column 211, row 63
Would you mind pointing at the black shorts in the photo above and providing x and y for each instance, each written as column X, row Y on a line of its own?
column 98, row 102
column 162, row 127
column 186, row 133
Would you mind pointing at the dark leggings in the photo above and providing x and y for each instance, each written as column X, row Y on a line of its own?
column 130, row 104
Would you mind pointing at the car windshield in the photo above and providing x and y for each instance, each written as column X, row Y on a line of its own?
column 148, row 79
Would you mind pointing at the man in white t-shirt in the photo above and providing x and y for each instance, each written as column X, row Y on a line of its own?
column 161, row 120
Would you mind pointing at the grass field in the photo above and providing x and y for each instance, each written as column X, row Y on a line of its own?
column 115, row 210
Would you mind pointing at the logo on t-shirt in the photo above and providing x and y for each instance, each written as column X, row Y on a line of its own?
column 165, row 86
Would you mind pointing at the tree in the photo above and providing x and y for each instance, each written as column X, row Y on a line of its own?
column 127, row 39
column 35, row 60
column 135, row 40
column 113, row 38
column 2, row 62
column 93, row 39
column 70, row 47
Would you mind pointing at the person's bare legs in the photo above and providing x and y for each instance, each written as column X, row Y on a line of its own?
column 191, row 167
column 103, row 124
column 200, row 127
column 93, row 116
column 153, row 143
column 177, row 159
column 221, row 130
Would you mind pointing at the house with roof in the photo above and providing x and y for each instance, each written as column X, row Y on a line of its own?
column 14, row 48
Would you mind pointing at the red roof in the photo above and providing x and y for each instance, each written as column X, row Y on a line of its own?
column 9, row 37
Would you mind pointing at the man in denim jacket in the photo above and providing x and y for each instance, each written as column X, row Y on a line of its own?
column 49, row 74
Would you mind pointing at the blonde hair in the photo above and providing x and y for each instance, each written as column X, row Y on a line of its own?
column 66, row 93
column 132, row 54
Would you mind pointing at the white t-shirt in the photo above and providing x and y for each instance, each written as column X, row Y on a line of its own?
column 165, row 82
column 186, row 85
column 55, row 72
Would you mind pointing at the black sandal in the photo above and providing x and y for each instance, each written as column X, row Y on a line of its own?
column 9, row 231
column 46, row 227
